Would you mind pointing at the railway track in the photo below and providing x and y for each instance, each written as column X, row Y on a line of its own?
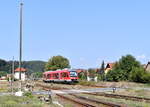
column 50, row 87
column 83, row 104
column 71, row 85
column 98, row 101
column 133, row 98
column 117, row 96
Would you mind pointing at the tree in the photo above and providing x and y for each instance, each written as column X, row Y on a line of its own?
column 57, row 62
column 34, row 66
column 3, row 73
column 123, row 69
column 92, row 73
column 82, row 75
column 140, row 75
column 116, row 75
column 3, row 63
column 31, row 66
column 102, row 68
column 37, row 75
column 102, row 71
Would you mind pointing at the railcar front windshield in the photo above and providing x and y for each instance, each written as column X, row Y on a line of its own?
column 73, row 74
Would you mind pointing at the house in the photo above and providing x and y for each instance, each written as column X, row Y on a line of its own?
column 23, row 73
column 80, row 70
column 109, row 67
column 147, row 68
column 3, row 78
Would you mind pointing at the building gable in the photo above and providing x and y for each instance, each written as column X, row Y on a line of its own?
column 148, row 67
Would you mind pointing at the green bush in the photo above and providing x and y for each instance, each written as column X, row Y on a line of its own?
column 116, row 75
column 92, row 73
column 28, row 94
column 82, row 76
column 87, row 83
column 140, row 75
column 3, row 73
column 15, row 101
column 128, row 69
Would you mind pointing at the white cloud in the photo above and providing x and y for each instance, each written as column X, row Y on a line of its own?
column 143, row 58
column 140, row 57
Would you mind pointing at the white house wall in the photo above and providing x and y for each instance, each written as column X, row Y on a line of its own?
column 22, row 75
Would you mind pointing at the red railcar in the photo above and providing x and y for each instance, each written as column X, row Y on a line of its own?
column 67, row 76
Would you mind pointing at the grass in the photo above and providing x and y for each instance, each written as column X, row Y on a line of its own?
column 14, row 101
column 86, row 83
column 3, row 90
column 121, row 101
column 128, row 102
column 147, row 85
column 11, row 101
column 134, row 92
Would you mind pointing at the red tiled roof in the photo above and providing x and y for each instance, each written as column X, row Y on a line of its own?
column 80, row 70
column 110, row 65
column 20, row 69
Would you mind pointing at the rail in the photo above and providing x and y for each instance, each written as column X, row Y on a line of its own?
column 110, row 104
column 133, row 98
column 76, row 101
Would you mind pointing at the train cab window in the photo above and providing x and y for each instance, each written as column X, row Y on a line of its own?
column 64, row 74
column 73, row 74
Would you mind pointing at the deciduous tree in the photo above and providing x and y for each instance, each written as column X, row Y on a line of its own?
column 123, row 69
column 57, row 62
column 102, row 71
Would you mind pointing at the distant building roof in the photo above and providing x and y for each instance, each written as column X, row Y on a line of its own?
column 147, row 68
column 144, row 66
column 80, row 70
column 20, row 69
column 110, row 65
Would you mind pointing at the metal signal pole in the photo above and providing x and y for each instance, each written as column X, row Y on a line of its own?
column 20, row 49
column 12, row 77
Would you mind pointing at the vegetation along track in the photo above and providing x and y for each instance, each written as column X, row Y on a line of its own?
column 49, row 87
column 109, row 104
column 68, row 85
column 133, row 98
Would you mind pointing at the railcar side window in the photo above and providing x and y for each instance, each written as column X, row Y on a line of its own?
column 49, row 76
column 56, row 76
column 64, row 74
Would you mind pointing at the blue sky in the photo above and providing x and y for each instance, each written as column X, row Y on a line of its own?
column 85, row 31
